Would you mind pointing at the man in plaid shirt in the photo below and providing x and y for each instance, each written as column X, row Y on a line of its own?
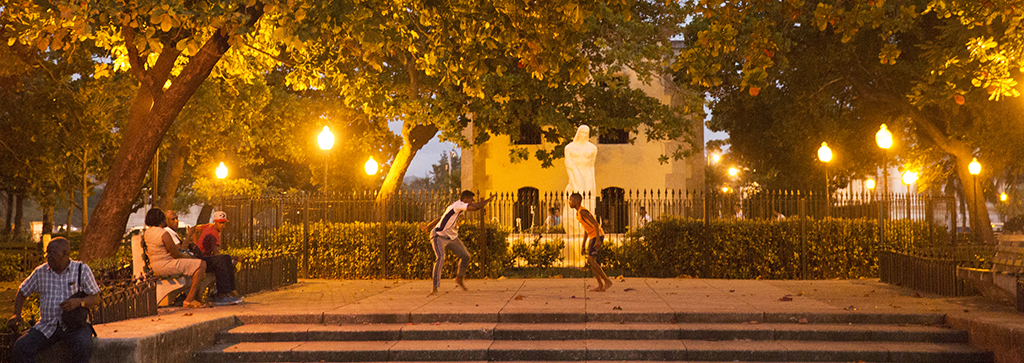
column 55, row 281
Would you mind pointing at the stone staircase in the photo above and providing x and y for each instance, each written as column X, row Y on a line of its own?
column 782, row 337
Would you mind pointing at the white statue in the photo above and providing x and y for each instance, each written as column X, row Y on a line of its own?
column 580, row 157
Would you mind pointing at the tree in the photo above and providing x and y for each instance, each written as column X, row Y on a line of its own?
column 930, row 68
column 505, row 65
column 445, row 175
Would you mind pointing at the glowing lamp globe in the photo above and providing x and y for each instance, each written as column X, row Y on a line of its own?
column 222, row 171
column 974, row 167
column 824, row 153
column 370, row 167
column 909, row 177
column 870, row 184
column 326, row 139
column 883, row 138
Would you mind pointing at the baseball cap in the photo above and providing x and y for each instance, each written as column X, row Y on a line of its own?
column 220, row 216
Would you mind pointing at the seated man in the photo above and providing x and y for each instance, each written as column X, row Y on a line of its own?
column 220, row 266
column 56, row 281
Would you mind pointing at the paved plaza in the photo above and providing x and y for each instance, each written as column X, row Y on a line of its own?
column 992, row 326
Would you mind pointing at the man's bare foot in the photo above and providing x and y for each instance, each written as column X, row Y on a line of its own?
column 607, row 284
column 599, row 288
column 458, row 281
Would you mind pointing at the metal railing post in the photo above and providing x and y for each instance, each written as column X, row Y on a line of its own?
column 305, row 236
column 802, row 212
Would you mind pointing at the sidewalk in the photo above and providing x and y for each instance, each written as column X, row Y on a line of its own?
column 991, row 326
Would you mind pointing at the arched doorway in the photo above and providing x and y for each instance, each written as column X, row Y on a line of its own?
column 526, row 212
column 613, row 210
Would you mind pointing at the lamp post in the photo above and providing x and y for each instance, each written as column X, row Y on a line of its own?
column 975, row 168
column 884, row 140
column 825, row 155
column 909, row 177
column 712, row 159
column 326, row 142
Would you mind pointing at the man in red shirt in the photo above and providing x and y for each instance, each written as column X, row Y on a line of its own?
column 595, row 236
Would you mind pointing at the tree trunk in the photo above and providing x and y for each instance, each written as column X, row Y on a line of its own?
column 413, row 138
column 19, row 212
column 47, row 220
column 175, row 167
column 10, row 213
column 981, row 225
column 152, row 113
column 71, row 211
column 85, row 192
column 204, row 214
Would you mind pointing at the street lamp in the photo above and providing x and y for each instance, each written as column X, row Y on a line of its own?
column 222, row 171
column 733, row 172
column 975, row 168
column 326, row 142
column 825, row 155
column 1003, row 197
column 870, row 184
column 370, row 167
column 884, row 140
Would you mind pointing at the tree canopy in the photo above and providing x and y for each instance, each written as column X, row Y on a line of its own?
column 941, row 73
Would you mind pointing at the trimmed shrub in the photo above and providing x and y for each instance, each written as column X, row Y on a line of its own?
column 391, row 250
column 750, row 249
column 537, row 253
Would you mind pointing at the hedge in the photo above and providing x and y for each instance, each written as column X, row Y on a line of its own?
column 750, row 249
column 394, row 250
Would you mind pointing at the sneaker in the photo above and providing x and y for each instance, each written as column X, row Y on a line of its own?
column 227, row 300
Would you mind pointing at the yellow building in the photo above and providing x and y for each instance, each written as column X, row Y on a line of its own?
column 620, row 167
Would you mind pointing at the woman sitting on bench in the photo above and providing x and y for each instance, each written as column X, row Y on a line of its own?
column 166, row 259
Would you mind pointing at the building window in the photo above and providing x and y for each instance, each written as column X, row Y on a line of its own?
column 610, row 135
column 527, row 209
column 529, row 134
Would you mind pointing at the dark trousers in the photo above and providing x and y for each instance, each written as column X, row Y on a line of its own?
column 79, row 344
column 221, row 268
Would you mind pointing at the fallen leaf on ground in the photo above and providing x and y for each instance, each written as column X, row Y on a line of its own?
column 501, row 278
column 753, row 322
column 186, row 314
column 916, row 295
column 802, row 321
column 621, row 277
column 628, row 289
column 732, row 290
column 572, row 297
column 786, row 298
column 519, row 297
column 616, row 307
column 851, row 307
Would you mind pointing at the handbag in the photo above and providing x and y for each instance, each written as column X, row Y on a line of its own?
column 76, row 318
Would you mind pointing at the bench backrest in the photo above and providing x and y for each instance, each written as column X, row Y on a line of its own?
column 140, row 261
column 1009, row 255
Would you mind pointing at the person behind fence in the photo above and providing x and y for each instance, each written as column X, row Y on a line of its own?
column 166, row 259
column 444, row 232
column 63, row 286
column 643, row 217
column 554, row 220
column 220, row 266
column 595, row 237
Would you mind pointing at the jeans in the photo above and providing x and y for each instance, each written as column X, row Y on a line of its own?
column 79, row 344
column 223, row 270
column 440, row 242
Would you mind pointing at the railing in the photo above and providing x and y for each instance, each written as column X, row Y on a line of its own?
column 266, row 274
column 932, row 270
column 126, row 299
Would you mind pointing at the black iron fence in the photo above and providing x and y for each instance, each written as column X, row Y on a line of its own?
column 266, row 274
column 531, row 215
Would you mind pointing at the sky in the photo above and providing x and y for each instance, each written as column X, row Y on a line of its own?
column 431, row 152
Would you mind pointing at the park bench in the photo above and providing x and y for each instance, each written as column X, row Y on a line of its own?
column 168, row 287
column 1000, row 281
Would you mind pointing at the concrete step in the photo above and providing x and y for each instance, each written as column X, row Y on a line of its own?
column 831, row 317
column 577, row 331
column 589, row 350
